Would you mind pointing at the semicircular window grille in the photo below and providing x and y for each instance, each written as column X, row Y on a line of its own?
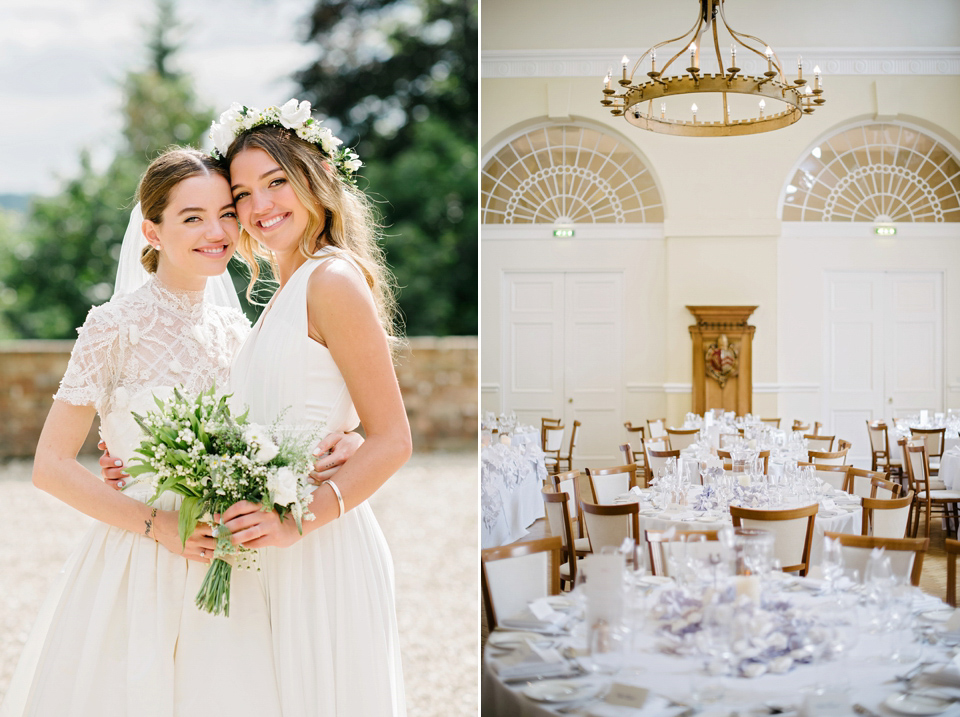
column 567, row 174
column 876, row 172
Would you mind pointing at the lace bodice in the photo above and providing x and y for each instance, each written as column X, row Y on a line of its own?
column 153, row 337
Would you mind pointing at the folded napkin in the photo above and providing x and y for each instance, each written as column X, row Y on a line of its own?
column 535, row 670
column 539, row 616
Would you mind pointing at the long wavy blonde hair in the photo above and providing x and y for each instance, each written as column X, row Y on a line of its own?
column 340, row 215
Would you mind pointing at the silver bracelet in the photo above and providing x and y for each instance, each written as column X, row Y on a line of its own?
column 339, row 497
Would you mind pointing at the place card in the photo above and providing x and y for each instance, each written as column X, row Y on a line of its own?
column 627, row 695
column 828, row 503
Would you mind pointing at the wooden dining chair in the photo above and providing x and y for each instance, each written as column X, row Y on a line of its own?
column 828, row 458
column 656, row 460
column 881, row 457
column 882, row 488
column 886, row 517
column 792, row 530
column 557, row 506
column 861, row 482
column 819, row 443
column 513, row 575
column 933, row 439
column 837, row 477
column 680, row 438
column 724, row 455
column 626, row 452
column 552, row 445
column 608, row 483
column 775, row 422
column 656, row 427
column 953, row 549
column 906, row 554
column 569, row 482
column 661, row 542
column 608, row 525
column 800, row 426
column 568, row 456
column 636, row 436
column 929, row 498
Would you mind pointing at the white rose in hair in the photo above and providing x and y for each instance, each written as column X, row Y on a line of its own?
column 283, row 486
column 222, row 136
column 232, row 116
column 293, row 114
column 353, row 164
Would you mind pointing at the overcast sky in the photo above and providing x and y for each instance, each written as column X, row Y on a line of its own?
column 61, row 62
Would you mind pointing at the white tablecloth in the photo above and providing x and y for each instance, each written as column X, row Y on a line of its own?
column 674, row 677
column 950, row 468
column 511, row 478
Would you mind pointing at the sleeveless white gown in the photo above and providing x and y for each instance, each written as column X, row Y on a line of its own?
column 330, row 595
column 119, row 634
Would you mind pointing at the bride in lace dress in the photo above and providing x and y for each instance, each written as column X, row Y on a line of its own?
column 320, row 355
column 119, row 634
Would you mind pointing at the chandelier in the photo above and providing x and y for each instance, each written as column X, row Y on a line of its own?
column 731, row 103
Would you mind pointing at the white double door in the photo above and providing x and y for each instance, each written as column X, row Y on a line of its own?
column 563, row 354
column 883, row 350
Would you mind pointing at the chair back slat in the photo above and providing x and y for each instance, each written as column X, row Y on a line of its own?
column 513, row 575
column 906, row 554
column 792, row 530
column 608, row 525
column 886, row 517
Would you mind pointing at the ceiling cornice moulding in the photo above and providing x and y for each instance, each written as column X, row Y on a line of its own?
column 835, row 61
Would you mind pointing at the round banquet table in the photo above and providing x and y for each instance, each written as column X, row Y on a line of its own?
column 511, row 480
column 869, row 676
column 845, row 517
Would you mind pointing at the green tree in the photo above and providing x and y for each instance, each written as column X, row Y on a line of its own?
column 399, row 77
column 66, row 256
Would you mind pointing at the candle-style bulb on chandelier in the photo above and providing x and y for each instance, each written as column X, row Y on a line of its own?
column 729, row 100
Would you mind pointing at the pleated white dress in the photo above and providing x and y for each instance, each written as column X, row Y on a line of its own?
column 119, row 634
column 330, row 595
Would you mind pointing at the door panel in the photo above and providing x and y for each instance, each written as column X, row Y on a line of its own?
column 883, row 353
column 563, row 355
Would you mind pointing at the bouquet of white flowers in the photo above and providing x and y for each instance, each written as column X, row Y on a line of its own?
column 197, row 449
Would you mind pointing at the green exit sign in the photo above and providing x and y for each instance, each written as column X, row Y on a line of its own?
column 885, row 231
column 563, row 233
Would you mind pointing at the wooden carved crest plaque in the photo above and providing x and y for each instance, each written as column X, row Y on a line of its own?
column 722, row 358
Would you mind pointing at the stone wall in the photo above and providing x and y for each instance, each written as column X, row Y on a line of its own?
column 438, row 378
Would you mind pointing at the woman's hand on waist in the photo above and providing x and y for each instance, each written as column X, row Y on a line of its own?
column 112, row 469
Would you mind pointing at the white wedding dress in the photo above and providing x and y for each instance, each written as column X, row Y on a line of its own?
column 331, row 594
column 119, row 635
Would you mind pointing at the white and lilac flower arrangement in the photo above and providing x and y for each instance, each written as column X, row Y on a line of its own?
column 196, row 448
column 757, row 637
column 293, row 115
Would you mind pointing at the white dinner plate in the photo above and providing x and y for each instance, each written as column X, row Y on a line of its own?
column 511, row 640
column 937, row 615
column 555, row 691
column 708, row 518
column 918, row 703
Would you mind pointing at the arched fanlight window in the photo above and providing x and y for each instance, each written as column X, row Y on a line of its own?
column 568, row 174
column 876, row 172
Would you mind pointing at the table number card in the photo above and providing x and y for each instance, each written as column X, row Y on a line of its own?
column 627, row 695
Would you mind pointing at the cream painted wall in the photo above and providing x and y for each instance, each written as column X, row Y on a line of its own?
column 722, row 236
column 552, row 24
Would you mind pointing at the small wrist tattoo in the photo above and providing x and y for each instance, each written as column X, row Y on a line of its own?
column 149, row 524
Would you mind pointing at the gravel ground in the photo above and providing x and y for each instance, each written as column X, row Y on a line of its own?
column 428, row 512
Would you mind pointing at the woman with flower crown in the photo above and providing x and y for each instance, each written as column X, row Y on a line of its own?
column 319, row 355
column 120, row 634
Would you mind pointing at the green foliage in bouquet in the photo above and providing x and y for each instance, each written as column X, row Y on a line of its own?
column 197, row 449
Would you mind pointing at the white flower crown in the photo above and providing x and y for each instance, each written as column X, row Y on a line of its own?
column 293, row 115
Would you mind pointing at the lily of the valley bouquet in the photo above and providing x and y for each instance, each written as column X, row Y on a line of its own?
column 196, row 448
